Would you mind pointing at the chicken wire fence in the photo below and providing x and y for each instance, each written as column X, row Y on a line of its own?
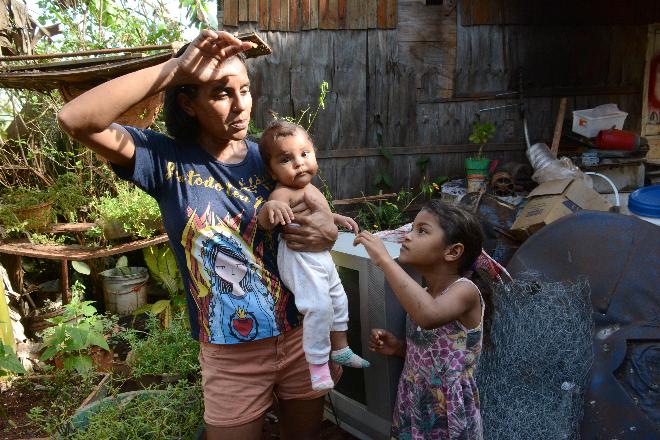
column 533, row 376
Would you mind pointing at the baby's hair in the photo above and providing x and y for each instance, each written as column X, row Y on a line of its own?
column 179, row 124
column 278, row 128
column 460, row 226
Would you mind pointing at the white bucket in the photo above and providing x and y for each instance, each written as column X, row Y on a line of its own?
column 124, row 289
column 654, row 220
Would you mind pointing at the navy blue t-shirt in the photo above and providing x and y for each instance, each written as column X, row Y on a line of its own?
column 209, row 209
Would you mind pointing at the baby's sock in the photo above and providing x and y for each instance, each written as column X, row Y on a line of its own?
column 321, row 379
column 346, row 357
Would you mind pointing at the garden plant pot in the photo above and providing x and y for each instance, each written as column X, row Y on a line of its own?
column 115, row 410
column 113, row 230
column 477, row 173
column 124, row 289
column 101, row 359
column 37, row 216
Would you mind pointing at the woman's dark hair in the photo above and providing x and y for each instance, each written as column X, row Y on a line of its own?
column 179, row 124
column 460, row 226
column 278, row 128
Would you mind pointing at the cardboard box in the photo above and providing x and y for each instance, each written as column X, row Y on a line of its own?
column 553, row 200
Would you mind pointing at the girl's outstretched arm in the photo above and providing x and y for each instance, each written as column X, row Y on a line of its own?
column 89, row 118
column 428, row 312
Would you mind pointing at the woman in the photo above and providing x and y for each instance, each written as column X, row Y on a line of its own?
column 209, row 183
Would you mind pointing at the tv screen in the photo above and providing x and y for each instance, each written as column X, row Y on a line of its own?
column 363, row 400
column 352, row 380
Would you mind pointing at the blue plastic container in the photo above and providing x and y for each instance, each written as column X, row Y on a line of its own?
column 645, row 203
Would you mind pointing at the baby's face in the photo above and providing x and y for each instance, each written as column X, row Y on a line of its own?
column 292, row 161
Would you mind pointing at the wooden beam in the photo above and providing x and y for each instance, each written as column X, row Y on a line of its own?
column 81, row 53
column 356, row 14
column 275, row 20
column 381, row 13
column 231, row 12
column 390, row 22
column 314, row 14
column 264, row 15
column 559, row 124
column 243, row 12
column 403, row 151
column 294, row 15
column 76, row 252
column 328, row 10
column 305, row 14
column 253, row 10
column 374, row 198
column 341, row 14
column 372, row 14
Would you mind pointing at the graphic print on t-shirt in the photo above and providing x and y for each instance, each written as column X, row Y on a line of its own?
column 228, row 281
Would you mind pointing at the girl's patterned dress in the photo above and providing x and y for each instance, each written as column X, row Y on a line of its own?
column 437, row 396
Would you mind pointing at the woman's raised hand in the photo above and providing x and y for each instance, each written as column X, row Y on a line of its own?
column 204, row 55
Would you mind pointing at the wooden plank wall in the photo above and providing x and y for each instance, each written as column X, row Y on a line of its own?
column 418, row 88
column 583, row 12
column 296, row 15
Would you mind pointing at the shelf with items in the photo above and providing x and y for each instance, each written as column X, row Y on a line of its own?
column 15, row 251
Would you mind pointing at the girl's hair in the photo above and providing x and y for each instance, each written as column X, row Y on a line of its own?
column 276, row 129
column 179, row 124
column 460, row 226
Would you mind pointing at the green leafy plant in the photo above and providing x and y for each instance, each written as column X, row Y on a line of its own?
column 428, row 187
column 75, row 332
column 383, row 179
column 9, row 362
column 70, row 194
column 92, row 24
column 136, row 211
column 324, row 88
column 482, row 132
column 161, row 350
column 162, row 267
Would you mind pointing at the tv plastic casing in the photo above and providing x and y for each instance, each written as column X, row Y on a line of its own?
column 364, row 398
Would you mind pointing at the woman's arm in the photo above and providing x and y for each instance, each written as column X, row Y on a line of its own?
column 428, row 312
column 89, row 118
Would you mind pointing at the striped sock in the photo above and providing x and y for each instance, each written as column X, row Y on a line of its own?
column 346, row 357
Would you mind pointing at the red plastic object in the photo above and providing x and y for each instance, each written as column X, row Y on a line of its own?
column 614, row 139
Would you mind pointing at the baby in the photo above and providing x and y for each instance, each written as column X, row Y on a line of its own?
column 288, row 152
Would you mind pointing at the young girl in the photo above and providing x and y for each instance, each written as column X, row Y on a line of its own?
column 288, row 153
column 437, row 396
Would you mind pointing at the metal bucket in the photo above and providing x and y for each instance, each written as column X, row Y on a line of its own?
column 124, row 289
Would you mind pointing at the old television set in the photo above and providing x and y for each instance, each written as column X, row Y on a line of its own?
column 362, row 402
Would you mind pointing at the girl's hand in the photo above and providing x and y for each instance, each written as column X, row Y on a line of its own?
column 374, row 246
column 202, row 59
column 346, row 222
column 278, row 212
column 384, row 342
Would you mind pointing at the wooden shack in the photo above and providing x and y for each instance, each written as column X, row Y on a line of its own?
column 410, row 76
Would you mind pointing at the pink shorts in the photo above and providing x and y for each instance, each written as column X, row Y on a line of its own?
column 239, row 380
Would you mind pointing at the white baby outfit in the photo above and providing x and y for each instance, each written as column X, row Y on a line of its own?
column 319, row 296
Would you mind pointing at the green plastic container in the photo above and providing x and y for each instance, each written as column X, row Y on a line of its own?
column 80, row 420
column 477, row 173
